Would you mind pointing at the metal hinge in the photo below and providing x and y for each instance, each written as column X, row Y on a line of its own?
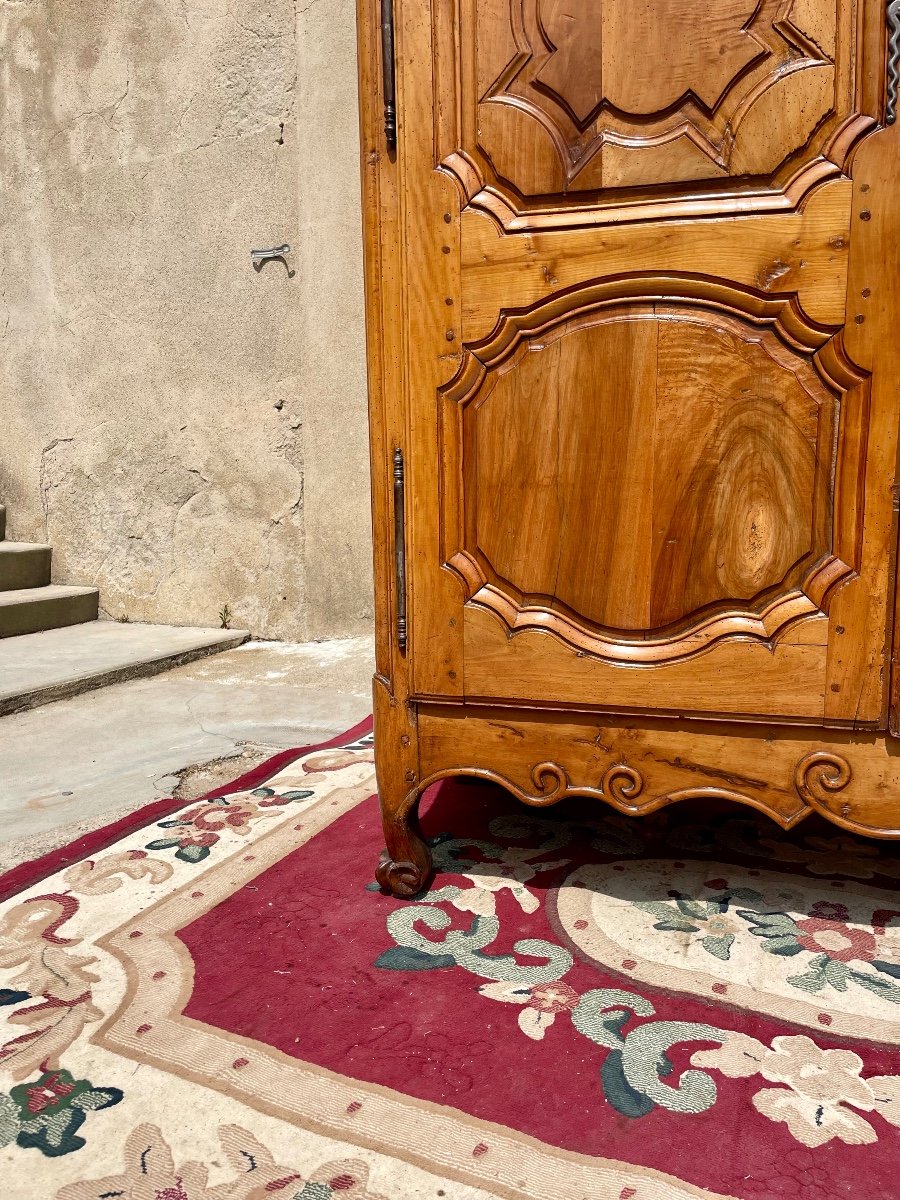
column 388, row 74
column 400, row 546
column 893, row 61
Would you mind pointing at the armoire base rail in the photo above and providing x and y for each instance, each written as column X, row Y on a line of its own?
column 635, row 765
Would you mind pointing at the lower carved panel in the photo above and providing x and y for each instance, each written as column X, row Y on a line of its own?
column 640, row 766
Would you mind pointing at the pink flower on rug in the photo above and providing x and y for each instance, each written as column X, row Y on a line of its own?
column 198, row 839
column 553, row 997
column 236, row 815
column 540, row 1003
column 828, row 910
column 48, row 1093
column 837, row 939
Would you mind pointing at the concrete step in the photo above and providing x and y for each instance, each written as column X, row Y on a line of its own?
column 60, row 663
column 2, row 522
column 28, row 610
column 24, row 565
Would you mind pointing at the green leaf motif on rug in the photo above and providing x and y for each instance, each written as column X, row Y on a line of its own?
column 636, row 1070
column 619, row 1092
column 13, row 996
column 9, row 1120
column 191, row 852
column 313, row 1190
column 642, row 1061
column 46, row 1113
column 719, row 947
column 774, row 925
column 409, row 958
column 464, row 946
column 688, row 914
column 269, row 794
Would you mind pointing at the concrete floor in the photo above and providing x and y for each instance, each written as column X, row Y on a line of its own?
column 78, row 763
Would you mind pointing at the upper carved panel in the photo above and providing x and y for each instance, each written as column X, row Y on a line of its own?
column 577, row 99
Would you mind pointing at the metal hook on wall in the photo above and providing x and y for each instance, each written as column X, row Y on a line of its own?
column 260, row 257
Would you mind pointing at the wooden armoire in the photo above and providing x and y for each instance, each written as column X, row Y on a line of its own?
column 633, row 313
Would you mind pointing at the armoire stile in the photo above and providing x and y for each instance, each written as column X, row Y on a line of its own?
column 633, row 300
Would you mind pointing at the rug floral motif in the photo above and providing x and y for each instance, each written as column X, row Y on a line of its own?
column 223, row 1004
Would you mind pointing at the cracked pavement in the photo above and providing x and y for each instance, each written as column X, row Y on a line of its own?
column 78, row 763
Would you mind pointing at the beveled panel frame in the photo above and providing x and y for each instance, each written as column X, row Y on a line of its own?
column 826, row 154
column 806, row 591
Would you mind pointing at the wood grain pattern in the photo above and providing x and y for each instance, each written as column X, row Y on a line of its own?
column 804, row 253
column 747, row 678
column 662, row 470
column 383, row 296
column 859, row 664
column 698, row 472
column 740, row 473
column 557, row 434
column 429, row 326
column 581, row 94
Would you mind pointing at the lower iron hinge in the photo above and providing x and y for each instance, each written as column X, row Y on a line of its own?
column 400, row 546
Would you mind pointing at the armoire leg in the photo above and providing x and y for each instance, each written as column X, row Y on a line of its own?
column 405, row 865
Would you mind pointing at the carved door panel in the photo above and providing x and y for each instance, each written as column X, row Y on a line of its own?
column 646, row 349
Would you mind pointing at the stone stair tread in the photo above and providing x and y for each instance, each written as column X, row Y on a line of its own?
column 50, row 591
column 38, row 668
column 22, row 547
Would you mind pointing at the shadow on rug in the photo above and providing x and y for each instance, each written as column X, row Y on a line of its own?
column 222, row 1004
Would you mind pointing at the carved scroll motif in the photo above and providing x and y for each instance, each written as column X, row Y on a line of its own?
column 620, row 785
column 817, row 778
column 819, row 775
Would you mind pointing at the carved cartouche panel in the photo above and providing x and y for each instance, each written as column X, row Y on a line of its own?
column 647, row 476
column 576, row 99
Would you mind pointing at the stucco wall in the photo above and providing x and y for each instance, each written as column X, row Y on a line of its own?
column 185, row 431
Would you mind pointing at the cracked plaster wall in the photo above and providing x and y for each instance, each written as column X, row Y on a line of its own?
column 186, row 432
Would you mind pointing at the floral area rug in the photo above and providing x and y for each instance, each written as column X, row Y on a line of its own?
column 220, row 1004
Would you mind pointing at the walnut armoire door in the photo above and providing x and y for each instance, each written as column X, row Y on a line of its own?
column 633, row 278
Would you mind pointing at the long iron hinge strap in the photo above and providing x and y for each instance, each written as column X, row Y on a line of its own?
column 893, row 62
column 400, row 546
column 388, row 73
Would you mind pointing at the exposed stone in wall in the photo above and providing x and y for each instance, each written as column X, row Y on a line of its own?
column 187, row 432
